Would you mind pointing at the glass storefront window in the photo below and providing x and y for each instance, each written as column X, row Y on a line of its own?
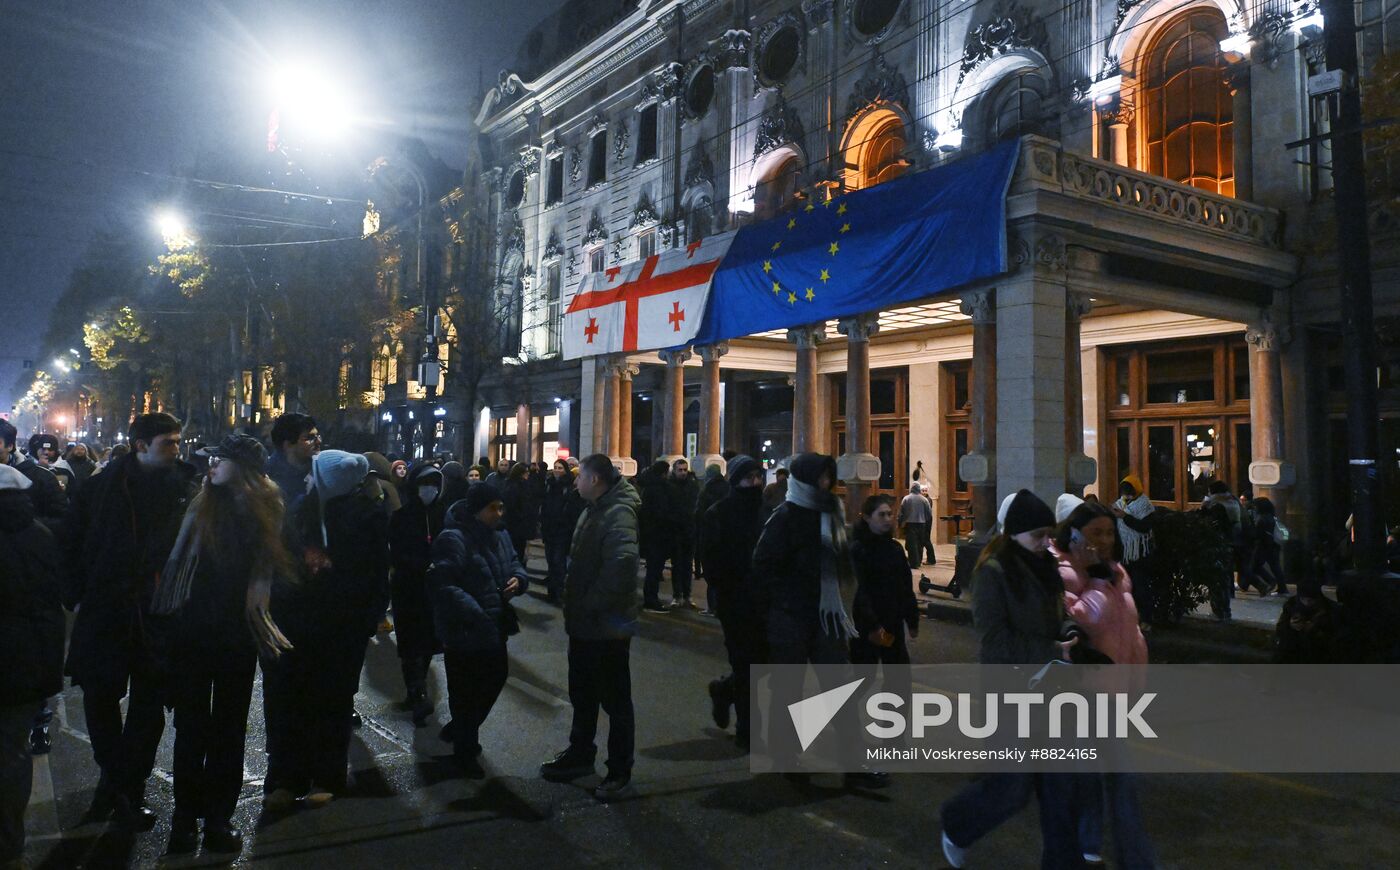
column 885, row 450
column 1243, row 454
column 962, row 389
column 1201, row 467
column 883, row 396
column 960, row 449
column 1240, row 357
column 1120, row 382
column 1180, row 376
column 1124, row 454
column 1161, row 463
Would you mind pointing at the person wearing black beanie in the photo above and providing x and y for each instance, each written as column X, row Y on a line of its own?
column 1017, row 610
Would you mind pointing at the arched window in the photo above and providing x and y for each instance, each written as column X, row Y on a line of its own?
column 1187, row 108
column 1016, row 106
column 777, row 192
column 874, row 149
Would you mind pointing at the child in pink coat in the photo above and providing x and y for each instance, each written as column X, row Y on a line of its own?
column 1098, row 592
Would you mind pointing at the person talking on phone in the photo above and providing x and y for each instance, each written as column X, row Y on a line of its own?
column 886, row 612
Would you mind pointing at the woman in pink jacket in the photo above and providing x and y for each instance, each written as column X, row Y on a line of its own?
column 1099, row 597
column 1098, row 592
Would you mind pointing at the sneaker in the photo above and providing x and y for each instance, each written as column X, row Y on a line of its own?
column 184, row 836
column 676, row 604
column 655, row 607
column 708, row 612
column 422, row 708
column 222, row 838
column 133, row 815
column 318, row 797
column 1093, row 859
column 355, row 720
column 955, row 855
column 39, row 741
column 719, row 703
column 615, row 787
column 279, row 800
column 567, row 766
column 688, row 604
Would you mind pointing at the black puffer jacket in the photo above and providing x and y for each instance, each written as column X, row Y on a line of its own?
column 31, row 610
column 120, row 529
column 561, row 509
column 472, row 565
column 1018, row 607
column 49, row 500
column 730, row 529
column 600, row 595
column 346, row 600
column 787, row 563
column 885, row 594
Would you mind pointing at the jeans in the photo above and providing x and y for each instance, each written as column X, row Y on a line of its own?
column 16, row 777
column 600, row 675
column 556, row 554
column 474, row 682
column 916, row 544
column 211, row 724
column 986, row 803
column 655, row 556
column 126, row 750
column 682, row 566
column 308, row 697
column 1119, row 792
column 1266, row 558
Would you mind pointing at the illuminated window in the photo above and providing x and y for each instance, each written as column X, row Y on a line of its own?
column 1187, row 107
column 874, row 151
column 1016, row 107
column 777, row 192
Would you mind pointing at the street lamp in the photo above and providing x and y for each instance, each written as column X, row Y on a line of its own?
column 313, row 98
column 173, row 229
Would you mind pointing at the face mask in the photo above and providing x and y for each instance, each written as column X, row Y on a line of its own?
column 428, row 494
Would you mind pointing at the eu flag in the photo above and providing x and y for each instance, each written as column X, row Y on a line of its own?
column 887, row 245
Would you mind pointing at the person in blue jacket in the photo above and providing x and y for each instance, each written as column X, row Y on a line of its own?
column 474, row 575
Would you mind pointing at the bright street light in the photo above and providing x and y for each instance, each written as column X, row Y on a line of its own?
column 62, row 365
column 173, row 229
column 312, row 100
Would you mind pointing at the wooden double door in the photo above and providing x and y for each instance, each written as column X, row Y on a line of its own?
column 1178, row 459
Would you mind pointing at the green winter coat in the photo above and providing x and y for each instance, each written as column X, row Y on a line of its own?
column 600, row 596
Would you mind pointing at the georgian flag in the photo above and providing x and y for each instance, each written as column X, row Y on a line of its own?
column 644, row 305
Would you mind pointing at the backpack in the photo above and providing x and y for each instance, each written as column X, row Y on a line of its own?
column 1281, row 533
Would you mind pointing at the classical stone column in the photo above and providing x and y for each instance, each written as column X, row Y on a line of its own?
column 978, row 467
column 1080, row 470
column 710, row 410
column 1237, row 77
column 858, row 467
column 598, row 420
column 804, row 394
column 1118, row 120
column 624, row 409
column 611, row 390
column 1031, row 366
column 524, row 444
column 674, row 443
column 1269, row 473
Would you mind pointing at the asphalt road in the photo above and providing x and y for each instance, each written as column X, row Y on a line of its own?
column 697, row 805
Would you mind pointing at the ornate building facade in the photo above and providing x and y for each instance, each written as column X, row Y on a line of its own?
column 1156, row 318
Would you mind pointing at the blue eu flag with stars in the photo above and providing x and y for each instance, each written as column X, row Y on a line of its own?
column 873, row 249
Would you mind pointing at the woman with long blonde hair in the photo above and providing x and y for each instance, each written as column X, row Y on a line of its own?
column 214, row 594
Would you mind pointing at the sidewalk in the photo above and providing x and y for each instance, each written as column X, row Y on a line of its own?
column 1249, row 634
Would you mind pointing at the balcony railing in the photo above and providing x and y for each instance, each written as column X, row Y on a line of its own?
column 1046, row 165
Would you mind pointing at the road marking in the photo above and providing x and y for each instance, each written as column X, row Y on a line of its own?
column 535, row 692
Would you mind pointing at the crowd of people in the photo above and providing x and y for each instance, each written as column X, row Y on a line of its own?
column 187, row 573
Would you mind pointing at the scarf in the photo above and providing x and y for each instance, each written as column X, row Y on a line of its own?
column 1136, row 545
column 175, row 581
column 837, row 573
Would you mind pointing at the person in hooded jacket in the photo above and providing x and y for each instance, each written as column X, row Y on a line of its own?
column 214, row 593
column 412, row 531
column 31, row 646
column 516, row 494
column 119, row 532
column 885, row 607
column 79, row 460
column 329, row 617
column 655, row 547
column 713, row 488
column 454, row 483
column 729, row 531
column 475, row 573
column 1018, row 611
column 559, row 515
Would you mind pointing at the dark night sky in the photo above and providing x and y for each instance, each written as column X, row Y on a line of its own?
column 94, row 94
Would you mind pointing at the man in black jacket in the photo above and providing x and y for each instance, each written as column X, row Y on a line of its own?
column 50, row 503
column 730, row 530
column 31, row 646
column 121, row 528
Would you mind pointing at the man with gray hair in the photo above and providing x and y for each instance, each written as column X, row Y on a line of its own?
column 916, row 515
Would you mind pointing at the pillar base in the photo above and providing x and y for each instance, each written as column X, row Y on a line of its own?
column 1272, row 473
column 705, row 460
column 977, row 468
column 1081, row 470
column 858, row 468
column 626, row 464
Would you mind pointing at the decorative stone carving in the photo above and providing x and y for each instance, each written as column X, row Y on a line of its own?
column 859, row 328
column 767, row 31
column 712, row 352
column 807, row 337
column 881, row 83
column 1315, row 52
column 817, row 12
column 571, row 264
column 575, row 164
column 676, row 357
column 692, row 66
column 662, row 85
column 553, row 248
column 1124, row 7
column 621, row 141
column 1078, row 305
column 1269, row 33
column 1042, row 251
column 514, row 233
column 734, row 49
column 597, row 125
column 854, row 33
column 644, row 214
column 595, row 232
column 1010, row 28
column 778, row 126
column 1120, row 114
column 700, row 170
column 530, row 160
column 980, row 305
column 617, row 246
column 1266, row 336
column 667, row 233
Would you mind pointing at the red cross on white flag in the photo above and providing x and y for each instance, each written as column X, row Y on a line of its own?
column 644, row 305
